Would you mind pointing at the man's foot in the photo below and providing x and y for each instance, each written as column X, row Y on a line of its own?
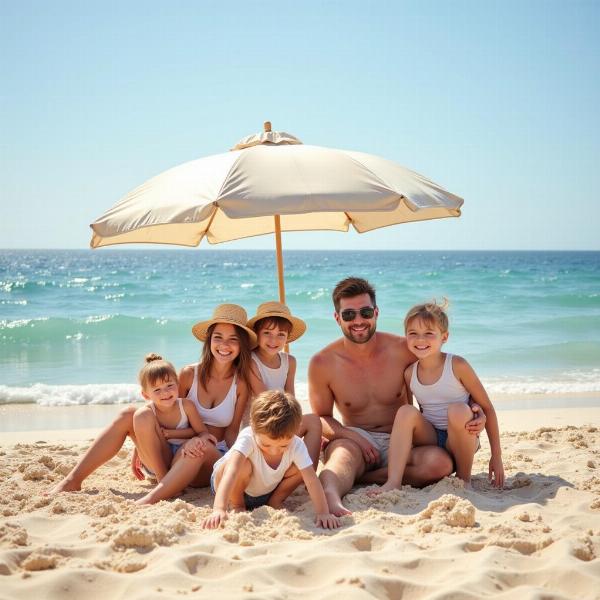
column 335, row 504
column 66, row 485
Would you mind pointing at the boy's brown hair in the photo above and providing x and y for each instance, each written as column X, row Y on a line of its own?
column 431, row 313
column 276, row 414
column 351, row 287
column 156, row 369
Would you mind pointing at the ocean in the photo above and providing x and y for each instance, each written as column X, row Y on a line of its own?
column 76, row 324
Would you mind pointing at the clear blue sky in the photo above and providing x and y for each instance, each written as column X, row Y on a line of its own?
column 497, row 101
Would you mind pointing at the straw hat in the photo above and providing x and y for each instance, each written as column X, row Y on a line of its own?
column 277, row 309
column 234, row 314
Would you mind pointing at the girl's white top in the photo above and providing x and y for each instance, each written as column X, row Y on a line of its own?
column 435, row 398
column 274, row 379
column 183, row 421
column 222, row 414
column 265, row 479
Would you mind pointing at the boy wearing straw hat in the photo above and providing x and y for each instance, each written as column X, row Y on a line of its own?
column 274, row 369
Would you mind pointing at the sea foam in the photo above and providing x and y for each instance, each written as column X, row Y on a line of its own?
column 64, row 395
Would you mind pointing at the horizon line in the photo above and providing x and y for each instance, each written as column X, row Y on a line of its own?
column 170, row 248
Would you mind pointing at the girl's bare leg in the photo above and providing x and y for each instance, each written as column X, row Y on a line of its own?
column 461, row 444
column 291, row 480
column 311, row 431
column 203, row 475
column 104, row 447
column 410, row 427
column 153, row 449
column 182, row 471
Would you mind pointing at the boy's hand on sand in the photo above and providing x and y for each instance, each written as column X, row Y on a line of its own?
column 477, row 424
column 194, row 448
column 327, row 521
column 136, row 465
column 217, row 517
column 496, row 472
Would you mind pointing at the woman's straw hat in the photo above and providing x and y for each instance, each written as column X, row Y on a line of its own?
column 277, row 309
column 234, row 314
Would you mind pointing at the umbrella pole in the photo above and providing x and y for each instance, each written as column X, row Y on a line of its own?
column 280, row 265
column 279, row 259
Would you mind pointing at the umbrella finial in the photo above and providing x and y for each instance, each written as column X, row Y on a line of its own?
column 267, row 126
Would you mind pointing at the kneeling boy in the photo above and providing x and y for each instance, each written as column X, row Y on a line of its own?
column 263, row 455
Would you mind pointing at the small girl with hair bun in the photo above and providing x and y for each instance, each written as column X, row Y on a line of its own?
column 442, row 384
column 163, row 426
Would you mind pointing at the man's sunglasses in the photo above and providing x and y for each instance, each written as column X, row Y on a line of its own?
column 349, row 314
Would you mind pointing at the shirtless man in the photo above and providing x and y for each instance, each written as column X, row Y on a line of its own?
column 362, row 374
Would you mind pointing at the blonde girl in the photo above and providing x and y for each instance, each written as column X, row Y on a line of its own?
column 169, row 421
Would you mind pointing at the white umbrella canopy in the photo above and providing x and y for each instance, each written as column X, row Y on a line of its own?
column 269, row 183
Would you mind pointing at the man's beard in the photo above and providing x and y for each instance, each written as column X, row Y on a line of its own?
column 359, row 340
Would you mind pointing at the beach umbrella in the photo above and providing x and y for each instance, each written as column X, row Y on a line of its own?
column 268, row 183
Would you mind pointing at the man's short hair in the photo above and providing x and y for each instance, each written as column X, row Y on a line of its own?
column 351, row 287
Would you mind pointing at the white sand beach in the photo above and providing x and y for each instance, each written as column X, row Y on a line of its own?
column 538, row 538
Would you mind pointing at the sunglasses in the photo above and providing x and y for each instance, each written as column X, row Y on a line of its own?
column 349, row 314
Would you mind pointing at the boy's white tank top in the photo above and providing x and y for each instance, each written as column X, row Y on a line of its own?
column 274, row 379
column 435, row 398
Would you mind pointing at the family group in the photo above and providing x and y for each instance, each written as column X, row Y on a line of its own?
column 231, row 421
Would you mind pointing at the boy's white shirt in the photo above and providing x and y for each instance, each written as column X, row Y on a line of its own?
column 264, row 478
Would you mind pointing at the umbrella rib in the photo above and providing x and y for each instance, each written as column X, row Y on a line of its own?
column 212, row 218
column 226, row 178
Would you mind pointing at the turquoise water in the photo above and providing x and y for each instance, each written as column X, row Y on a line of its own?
column 73, row 322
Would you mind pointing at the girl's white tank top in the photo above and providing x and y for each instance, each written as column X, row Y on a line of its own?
column 435, row 398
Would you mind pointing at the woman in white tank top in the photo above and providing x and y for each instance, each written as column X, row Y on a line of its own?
column 218, row 386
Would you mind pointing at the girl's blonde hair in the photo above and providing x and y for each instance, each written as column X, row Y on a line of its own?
column 276, row 414
column 156, row 369
column 430, row 313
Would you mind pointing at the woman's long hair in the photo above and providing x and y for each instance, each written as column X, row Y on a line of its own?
column 241, row 363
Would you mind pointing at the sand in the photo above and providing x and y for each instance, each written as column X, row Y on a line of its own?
column 538, row 538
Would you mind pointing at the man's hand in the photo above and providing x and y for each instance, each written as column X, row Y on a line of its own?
column 477, row 424
column 136, row 465
column 370, row 453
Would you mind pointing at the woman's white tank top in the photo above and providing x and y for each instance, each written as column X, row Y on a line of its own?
column 222, row 414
